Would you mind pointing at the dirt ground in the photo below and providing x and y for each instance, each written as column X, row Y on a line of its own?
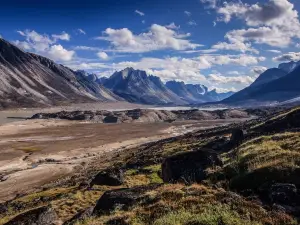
column 36, row 152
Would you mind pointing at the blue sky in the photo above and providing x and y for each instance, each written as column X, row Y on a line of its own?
column 223, row 45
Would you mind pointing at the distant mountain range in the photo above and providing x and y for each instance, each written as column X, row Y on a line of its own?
column 273, row 86
column 30, row 80
column 137, row 86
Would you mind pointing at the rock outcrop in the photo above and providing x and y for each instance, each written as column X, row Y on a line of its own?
column 40, row 216
column 189, row 167
column 122, row 199
column 114, row 177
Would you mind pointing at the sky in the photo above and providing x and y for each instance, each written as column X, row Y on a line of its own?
column 224, row 45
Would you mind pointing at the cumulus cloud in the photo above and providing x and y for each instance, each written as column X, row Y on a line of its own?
column 258, row 69
column 157, row 38
column 102, row 55
column 290, row 56
column 235, row 46
column 57, row 52
column 274, row 23
column 139, row 12
column 173, row 26
column 63, row 36
column 44, row 45
column 218, row 78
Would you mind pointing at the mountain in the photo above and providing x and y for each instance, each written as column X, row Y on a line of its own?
column 289, row 67
column 30, row 80
column 136, row 86
column 214, row 96
column 269, row 75
column 195, row 93
column 284, row 88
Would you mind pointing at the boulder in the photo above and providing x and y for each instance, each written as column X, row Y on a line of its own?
column 111, row 119
column 82, row 215
column 189, row 167
column 41, row 216
column 237, row 137
column 122, row 199
column 113, row 177
column 283, row 193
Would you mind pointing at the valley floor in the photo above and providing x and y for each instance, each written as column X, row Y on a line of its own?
column 37, row 152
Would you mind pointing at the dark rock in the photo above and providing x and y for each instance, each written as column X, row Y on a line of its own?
column 3, row 208
column 189, row 167
column 113, row 177
column 283, row 193
column 237, row 137
column 84, row 214
column 111, row 119
column 122, row 199
column 40, row 216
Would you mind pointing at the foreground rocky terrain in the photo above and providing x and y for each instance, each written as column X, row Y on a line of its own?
column 243, row 173
column 149, row 115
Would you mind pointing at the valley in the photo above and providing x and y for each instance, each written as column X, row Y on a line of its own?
column 38, row 152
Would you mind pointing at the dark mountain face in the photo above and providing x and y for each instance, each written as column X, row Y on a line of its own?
column 289, row 67
column 284, row 88
column 268, row 76
column 29, row 80
column 137, row 86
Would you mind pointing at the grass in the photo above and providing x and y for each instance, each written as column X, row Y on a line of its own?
column 266, row 158
column 213, row 215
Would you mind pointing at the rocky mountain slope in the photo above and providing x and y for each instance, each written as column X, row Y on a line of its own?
column 274, row 85
column 29, row 80
column 195, row 93
column 137, row 86
column 240, row 174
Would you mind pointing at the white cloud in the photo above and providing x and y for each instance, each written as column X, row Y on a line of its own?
column 87, row 48
column 218, row 78
column 274, row 51
column 173, row 26
column 157, row 38
column 57, row 52
column 235, row 46
column 211, row 3
column 63, row 36
column 187, row 13
column 192, row 23
column 139, row 12
column 44, row 45
column 275, row 23
column 258, row 69
column 102, row 55
column 81, row 31
column 291, row 56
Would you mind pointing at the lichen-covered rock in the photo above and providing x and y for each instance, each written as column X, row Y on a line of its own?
column 122, row 199
column 40, row 216
column 189, row 167
column 114, row 177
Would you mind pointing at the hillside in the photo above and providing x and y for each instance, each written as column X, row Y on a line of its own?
column 233, row 175
column 29, row 80
column 272, row 86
